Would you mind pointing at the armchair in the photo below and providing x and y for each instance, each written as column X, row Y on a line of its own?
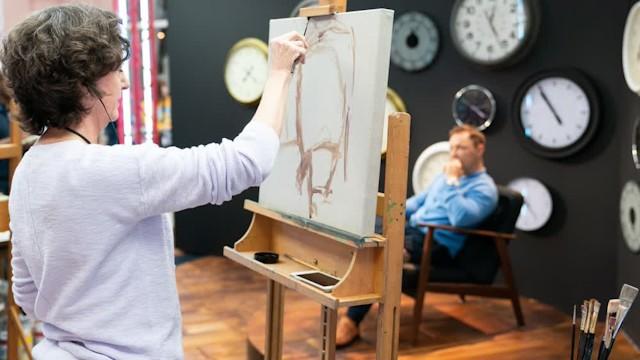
column 475, row 268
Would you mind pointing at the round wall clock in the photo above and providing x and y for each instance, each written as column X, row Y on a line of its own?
column 538, row 204
column 393, row 104
column 430, row 164
column 415, row 41
column 631, row 49
column 556, row 113
column 302, row 4
column 494, row 33
column 630, row 215
column 246, row 69
column 474, row 105
column 635, row 141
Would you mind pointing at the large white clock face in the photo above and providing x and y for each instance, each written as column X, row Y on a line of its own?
column 246, row 72
column 630, row 215
column 490, row 31
column 430, row 164
column 555, row 112
column 631, row 49
column 538, row 204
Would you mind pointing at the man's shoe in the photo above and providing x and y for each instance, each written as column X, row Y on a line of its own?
column 346, row 333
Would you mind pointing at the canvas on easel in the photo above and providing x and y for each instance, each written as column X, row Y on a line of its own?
column 328, row 166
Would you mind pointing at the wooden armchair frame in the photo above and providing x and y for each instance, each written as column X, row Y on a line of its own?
column 506, row 291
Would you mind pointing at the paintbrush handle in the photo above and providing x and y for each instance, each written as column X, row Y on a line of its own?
column 581, row 344
column 602, row 351
column 573, row 341
column 588, row 348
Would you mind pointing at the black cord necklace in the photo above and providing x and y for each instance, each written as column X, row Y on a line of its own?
column 77, row 133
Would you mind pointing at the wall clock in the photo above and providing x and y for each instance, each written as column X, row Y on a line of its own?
column 494, row 33
column 430, row 164
column 415, row 41
column 393, row 104
column 246, row 69
column 474, row 105
column 630, row 215
column 556, row 113
column 635, row 141
column 631, row 49
column 538, row 203
column 302, row 4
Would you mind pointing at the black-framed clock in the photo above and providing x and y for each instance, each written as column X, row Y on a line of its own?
column 494, row 33
column 474, row 105
column 415, row 41
column 556, row 113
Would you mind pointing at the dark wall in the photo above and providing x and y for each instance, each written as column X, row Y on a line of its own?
column 628, row 263
column 574, row 256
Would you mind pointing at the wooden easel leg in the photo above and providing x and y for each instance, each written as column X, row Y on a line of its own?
column 275, row 312
column 388, row 327
column 329, row 321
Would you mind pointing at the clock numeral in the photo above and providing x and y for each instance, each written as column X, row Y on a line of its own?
column 469, row 36
column 471, row 10
column 489, row 48
column 466, row 24
column 513, row 35
column 504, row 44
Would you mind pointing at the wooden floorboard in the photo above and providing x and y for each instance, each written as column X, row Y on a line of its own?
column 223, row 305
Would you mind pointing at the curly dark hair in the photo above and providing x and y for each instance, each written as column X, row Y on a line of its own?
column 53, row 59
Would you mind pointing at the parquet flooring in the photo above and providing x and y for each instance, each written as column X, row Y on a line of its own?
column 223, row 305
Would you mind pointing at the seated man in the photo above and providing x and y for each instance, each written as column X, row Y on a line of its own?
column 463, row 196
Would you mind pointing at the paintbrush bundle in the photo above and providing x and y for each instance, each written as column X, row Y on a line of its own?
column 617, row 310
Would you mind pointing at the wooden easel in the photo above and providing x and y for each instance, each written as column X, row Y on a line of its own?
column 13, row 152
column 370, row 268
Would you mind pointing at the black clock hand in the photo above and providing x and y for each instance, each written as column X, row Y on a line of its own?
column 546, row 100
column 490, row 21
column 247, row 73
column 474, row 108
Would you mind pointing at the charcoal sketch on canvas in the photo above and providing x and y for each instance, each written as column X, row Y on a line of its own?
column 327, row 169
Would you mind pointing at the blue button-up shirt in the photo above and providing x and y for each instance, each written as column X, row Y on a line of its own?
column 466, row 204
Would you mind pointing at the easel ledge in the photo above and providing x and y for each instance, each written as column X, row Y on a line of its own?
column 326, row 7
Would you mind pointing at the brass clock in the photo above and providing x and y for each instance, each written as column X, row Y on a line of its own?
column 246, row 70
column 393, row 104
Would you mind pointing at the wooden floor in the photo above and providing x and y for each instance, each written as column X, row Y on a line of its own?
column 223, row 304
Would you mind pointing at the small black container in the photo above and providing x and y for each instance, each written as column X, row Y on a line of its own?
column 266, row 257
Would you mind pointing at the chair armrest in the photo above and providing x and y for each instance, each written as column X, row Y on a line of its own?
column 487, row 233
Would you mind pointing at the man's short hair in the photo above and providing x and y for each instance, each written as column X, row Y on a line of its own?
column 474, row 134
column 54, row 58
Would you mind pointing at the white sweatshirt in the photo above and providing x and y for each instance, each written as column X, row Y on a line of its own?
column 92, row 254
